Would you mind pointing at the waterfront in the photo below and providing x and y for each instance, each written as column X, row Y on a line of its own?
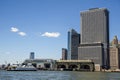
column 57, row 75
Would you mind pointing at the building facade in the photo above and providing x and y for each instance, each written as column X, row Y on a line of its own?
column 73, row 43
column 95, row 36
column 114, row 54
column 92, row 52
column 64, row 54
column 95, row 26
column 114, row 58
column 41, row 63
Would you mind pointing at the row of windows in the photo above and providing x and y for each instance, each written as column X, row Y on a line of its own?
column 94, row 53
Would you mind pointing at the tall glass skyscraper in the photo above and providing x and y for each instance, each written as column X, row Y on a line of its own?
column 32, row 55
column 73, row 43
column 95, row 36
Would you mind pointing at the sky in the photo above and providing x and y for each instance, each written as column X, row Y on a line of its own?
column 41, row 26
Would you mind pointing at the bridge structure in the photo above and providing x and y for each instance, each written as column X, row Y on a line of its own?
column 75, row 65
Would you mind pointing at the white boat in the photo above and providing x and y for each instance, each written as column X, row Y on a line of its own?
column 24, row 68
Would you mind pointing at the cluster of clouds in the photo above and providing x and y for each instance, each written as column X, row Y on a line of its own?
column 46, row 34
column 16, row 30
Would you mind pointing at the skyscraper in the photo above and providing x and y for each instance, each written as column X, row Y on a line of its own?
column 32, row 55
column 64, row 54
column 114, row 57
column 95, row 36
column 114, row 54
column 94, row 26
column 73, row 43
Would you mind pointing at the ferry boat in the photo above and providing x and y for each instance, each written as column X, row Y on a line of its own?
column 23, row 68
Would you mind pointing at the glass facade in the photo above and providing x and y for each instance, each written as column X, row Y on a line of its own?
column 73, row 43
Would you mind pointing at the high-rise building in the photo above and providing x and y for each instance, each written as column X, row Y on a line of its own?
column 95, row 36
column 64, row 54
column 114, row 58
column 73, row 43
column 95, row 26
column 114, row 54
column 32, row 55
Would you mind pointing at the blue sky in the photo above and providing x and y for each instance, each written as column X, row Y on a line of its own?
column 41, row 26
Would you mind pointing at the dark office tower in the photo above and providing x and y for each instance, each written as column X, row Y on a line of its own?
column 94, row 26
column 95, row 35
column 64, row 54
column 32, row 55
column 73, row 43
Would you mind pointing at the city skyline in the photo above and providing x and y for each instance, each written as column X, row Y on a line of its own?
column 41, row 26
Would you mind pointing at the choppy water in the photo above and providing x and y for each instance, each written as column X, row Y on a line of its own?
column 57, row 75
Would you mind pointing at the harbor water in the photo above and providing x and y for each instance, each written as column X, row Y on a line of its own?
column 57, row 75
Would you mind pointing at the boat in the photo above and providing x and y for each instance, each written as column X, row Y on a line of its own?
column 23, row 68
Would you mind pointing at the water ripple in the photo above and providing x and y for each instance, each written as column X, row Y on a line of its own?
column 57, row 75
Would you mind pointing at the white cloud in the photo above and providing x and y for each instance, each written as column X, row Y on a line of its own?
column 22, row 33
column 52, row 34
column 13, row 29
